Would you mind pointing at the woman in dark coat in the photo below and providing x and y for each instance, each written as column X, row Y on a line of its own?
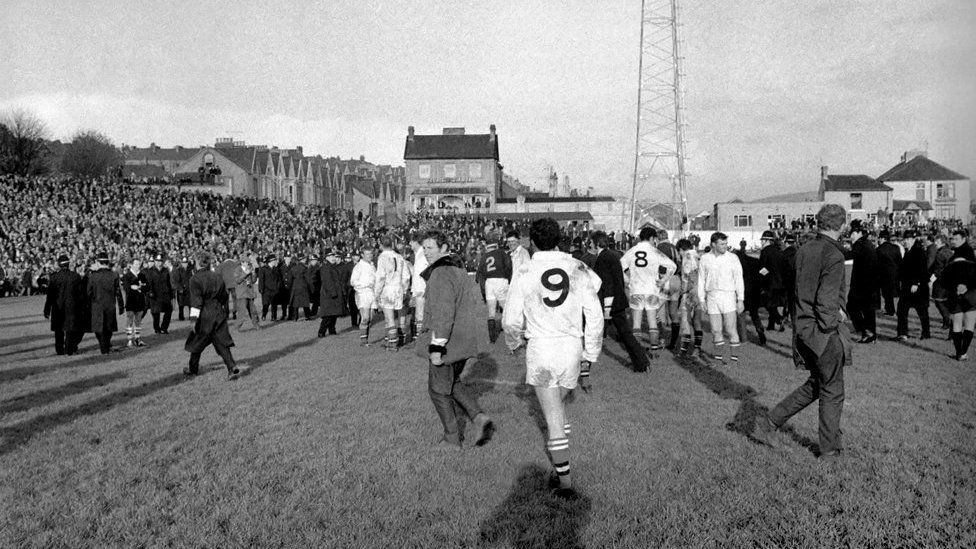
column 959, row 279
column 208, row 302
column 332, row 303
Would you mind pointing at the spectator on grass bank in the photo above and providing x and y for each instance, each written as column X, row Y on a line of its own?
column 553, row 302
column 457, row 327
column 209, row 307
column 823, row 339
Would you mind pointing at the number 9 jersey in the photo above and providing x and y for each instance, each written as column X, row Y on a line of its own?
column 549, row 297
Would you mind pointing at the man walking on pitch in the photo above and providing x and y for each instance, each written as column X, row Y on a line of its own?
column 550, row 297
column 614, row 301
column 647, row 269
column 65, row 297
column 208, row 304
column 456, row 323
column 495, row 272
column 822, row 335
column 104, row 291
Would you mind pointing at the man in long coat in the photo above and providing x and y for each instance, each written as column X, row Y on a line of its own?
column 889, row 261
column 64, row 307
column 104, row 291
column 284, row 295
column 613, row 297
column 300, row 291
column 332, row 302
column 269, row 284
column 771, row 277
column 180, row 281
column 865, row 293
column 160, row 293
column 208, row 302
column 913, row 277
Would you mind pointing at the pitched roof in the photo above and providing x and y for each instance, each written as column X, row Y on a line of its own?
column 241, row 156
column 532, row 216
column 920, row 168
column 906, row 205
column 853, row 183
column 433, row 147
column 157, row 154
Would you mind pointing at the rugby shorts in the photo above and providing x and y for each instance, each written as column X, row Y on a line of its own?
column 365, row 298
column 391, row 298
column 645, row 302
column 718, row 302
column 496, row 288
column 553, row 361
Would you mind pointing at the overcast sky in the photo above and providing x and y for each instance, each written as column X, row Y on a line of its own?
column 773, row 89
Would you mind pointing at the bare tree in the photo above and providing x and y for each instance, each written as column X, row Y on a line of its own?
column 22, row 145
column 90, row 154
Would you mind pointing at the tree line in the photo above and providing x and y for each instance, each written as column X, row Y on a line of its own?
column 26, row 149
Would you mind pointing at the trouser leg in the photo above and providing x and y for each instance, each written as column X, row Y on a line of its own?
column 224, row 352
column 323, row 327
column 440, row 382
column 802, row 396
column 167, row 317
column 194, row 363
column 902, row 311
column 72, row 339
column 869, row 319
column 155, row 322
column 59, row 341
column 830, row 372
column 855, row 312
column 638, row 357
column 922, row 308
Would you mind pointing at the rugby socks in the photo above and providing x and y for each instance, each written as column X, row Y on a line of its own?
column 675, row 328
column 391, row 339
column 655, row 337
column 567, row 428
column 967, row 338
column 559, row 454
column 492, row 330
column 734, row 350
column 698, row 339
column 685, row 343
column 956, row 342
column 364, row 334
column 720, row 349
column 130, row 333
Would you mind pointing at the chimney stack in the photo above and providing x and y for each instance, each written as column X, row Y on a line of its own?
column 491, row 132
column 298, row 148
column 362, row 158
column 823, row 173
column 409, row 133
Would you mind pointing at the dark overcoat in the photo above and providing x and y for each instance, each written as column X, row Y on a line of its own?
column 607, row 267
column 269, row 282
column 300, row 290
column 180, row 280
column 914, row 270
column 104, row 291
column 865, row 288
column 208, row 293
column 332, row 300
column 159, row 290
column 889, row 261
column 65, row 302
column 135, row 286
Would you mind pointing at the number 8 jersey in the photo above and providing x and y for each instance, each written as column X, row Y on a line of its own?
column 549, row 297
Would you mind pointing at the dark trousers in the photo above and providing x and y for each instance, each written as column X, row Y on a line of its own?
column 161, row 320
column 104, row 341
column 862, row 316
column 753, row 310
column 222, row 350
column 826, row 384
column 328, row 325
column 452, row 399
column 888, row 295
column 268, row 301
column 181, row 301
column 353, row 310
column 66, row 343
column 918, row 301
column 625, row 335
column 293, row 312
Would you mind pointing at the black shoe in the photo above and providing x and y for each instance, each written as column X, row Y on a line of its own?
column 868, row 339
column 832, row 455
column 767, row 432
column 233, row 374
column 902, row 338
column 189, row 373
column 762, row 340
column 485, row 428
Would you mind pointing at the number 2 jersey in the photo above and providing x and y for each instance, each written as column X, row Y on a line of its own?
column 549, row 297
column 643, row 264
column 496, row 263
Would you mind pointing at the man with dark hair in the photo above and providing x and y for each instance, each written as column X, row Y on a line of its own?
column 180, row 282
column 300, row 297
column 889, row 261
column 649, row 270
column 864, row 295
column 822, row 335
column 104, row 291
column 494, row 273
column 456, row 324
column 614, row 300
column 550, row 297
column 63, row 306
column 135, row 285
column 771, row 277
column 160, row 293
column 914, row 285
column 392, row 284
column 332, row 294
column 943, row 253
column 209, row 307
column 721, row 293
column 518, row 254
column 269, row 284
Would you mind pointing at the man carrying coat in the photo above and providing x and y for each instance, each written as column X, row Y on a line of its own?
column 457, row 327
column 208, row 304
column 104, row 291
column 64, row 306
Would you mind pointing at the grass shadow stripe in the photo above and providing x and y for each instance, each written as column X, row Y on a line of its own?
column 54, row 394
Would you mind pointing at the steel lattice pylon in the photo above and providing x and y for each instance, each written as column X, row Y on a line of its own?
column 659, row 159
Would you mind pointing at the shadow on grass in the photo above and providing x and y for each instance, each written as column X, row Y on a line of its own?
column 32, row 338
column 744, row 421
column 50, row 347
column 249, row 365
column 4, row 324
column 17, row 435
column 532, row 516
column 54, row 394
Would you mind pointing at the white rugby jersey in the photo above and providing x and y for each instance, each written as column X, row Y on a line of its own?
column 392, row 272
column 420, row 263
column 642, row 263
column 520, row 256
column 720, row 273
column 549, row 296
column 363, row 276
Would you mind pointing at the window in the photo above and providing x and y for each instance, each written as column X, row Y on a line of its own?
column 776, row 221
column 424, row 171
column 474, row 171
column 742, row 221
column 920, row 191
column 857, row 201
column 450, row 171
column 945, row 191
column 945, row 211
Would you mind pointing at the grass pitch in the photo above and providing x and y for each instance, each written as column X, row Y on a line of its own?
column 326, row 444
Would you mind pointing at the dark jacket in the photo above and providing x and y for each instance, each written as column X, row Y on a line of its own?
column 332, row 294
column 180, row 280
column 298, row 282
column 159, row 290
column 865, row 284
column 889, row 261
column 208, row 293
column 269, row 281
column 789, row 270
column 752, row 281
column 607, row 267
column 104, row 291
column 771, row 259
column 134, row 286
column 821, row 292
column 454, row 310
column 915, row 271
column 64, row 304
